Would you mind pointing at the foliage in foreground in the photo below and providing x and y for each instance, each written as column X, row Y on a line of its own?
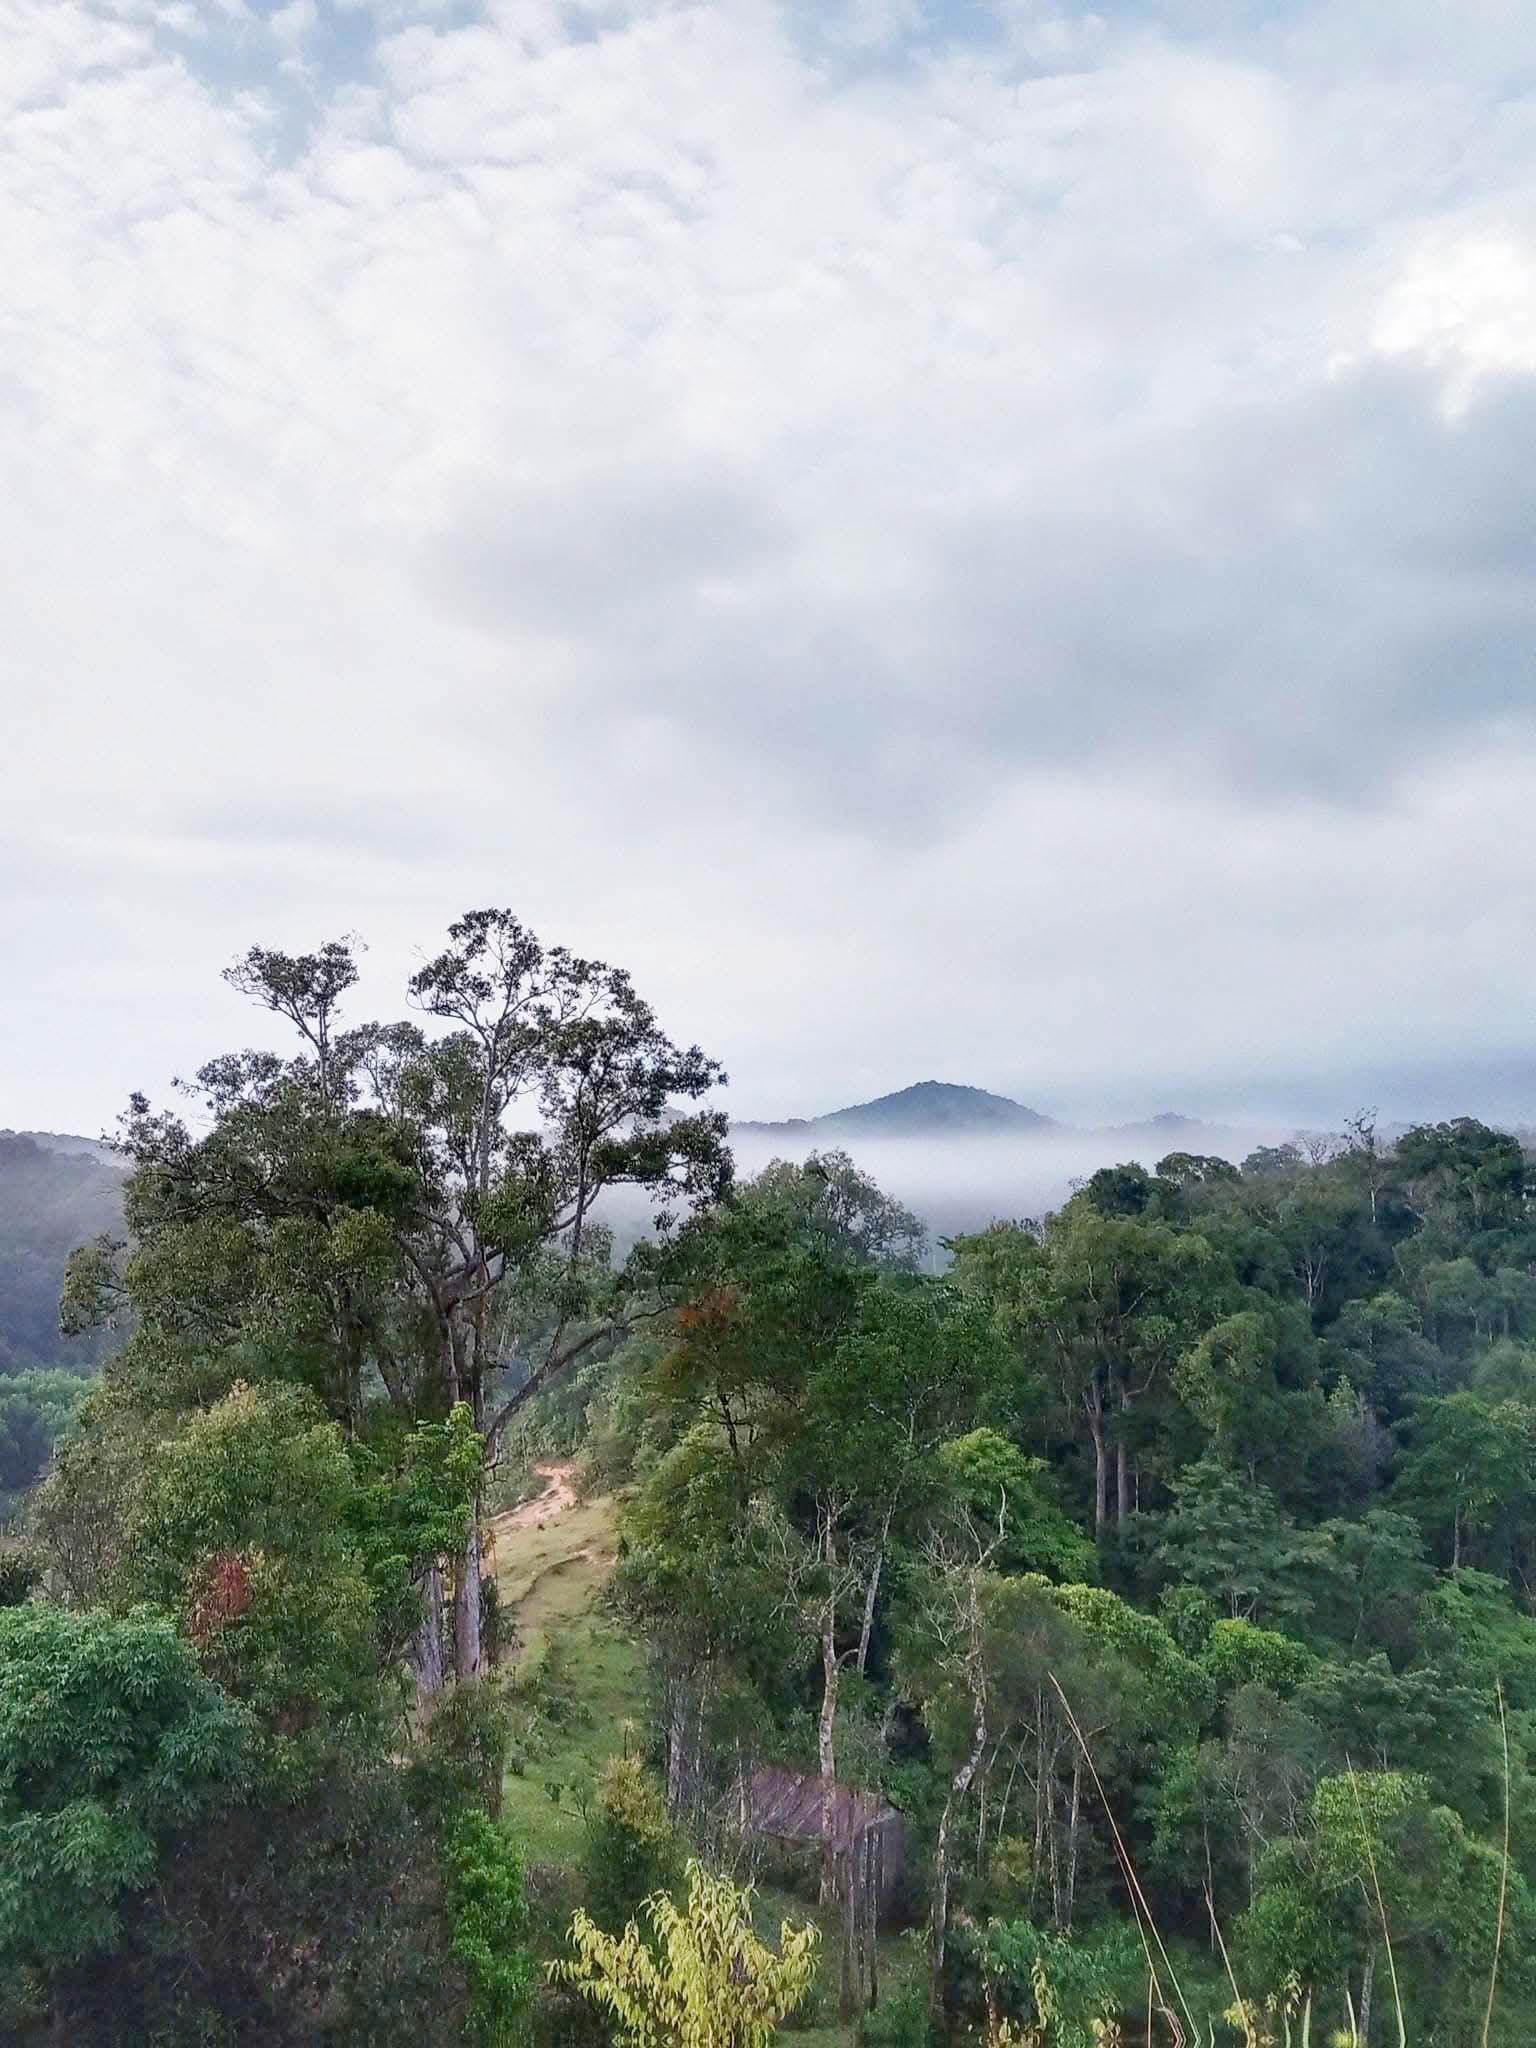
column 707, row 1981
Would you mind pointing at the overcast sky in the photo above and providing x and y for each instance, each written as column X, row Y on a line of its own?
column 984, row 539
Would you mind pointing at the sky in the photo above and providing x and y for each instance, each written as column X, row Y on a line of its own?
column 981, row 540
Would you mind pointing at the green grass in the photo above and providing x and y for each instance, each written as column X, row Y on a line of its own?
column 578, row 1675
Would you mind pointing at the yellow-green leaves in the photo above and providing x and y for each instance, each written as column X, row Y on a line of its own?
column 707, row 1982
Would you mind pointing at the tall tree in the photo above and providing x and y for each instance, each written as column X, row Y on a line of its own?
column 414, row 1210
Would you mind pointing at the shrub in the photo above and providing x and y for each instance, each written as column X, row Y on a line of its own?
column 631, row 1848
column 488, row 1915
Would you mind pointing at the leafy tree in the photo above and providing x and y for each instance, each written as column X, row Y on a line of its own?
column 1422, row 1719
column 1129, row 1190
column 1461, row 1176
column 1220, row 1806
column 242, row 1531
column 1386, row 1352
column 1481, row 1637
column 705, row 1589
column 1198, row 1169
column 631, row 1849
column 1368, row 1579
column 1273, row 1162
column 827, row 1202
column 1073, row 1987
column 1103, row 1306
column 488, row 1917
column 1238, row 1654
column 708, row 1982
column 371, row 1211
column 1377, row 1863
column 36, row 1407
column 1227, row 1538
column 1238, row 1381
column 110, row 1739
column 1014, row 1496
column 1468, row 1472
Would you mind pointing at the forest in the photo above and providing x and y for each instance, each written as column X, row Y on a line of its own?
column 433, row 1612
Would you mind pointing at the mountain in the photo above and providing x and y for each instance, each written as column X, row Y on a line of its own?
column 928, row 1109
column 55, row 1193
column 69, row 1142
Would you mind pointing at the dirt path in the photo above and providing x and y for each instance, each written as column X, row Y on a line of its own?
column 558, row 1498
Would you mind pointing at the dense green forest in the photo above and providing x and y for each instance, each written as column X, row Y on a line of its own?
column 1140, row 1607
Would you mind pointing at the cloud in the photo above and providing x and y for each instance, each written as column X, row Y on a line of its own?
column 872, row 513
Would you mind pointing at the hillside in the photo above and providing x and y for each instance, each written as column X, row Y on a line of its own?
column 926, row 1109
column 578, row 1676
column 55, row 1193
column 582, row 1694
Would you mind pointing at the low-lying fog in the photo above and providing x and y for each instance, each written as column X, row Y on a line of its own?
column 964, row 1183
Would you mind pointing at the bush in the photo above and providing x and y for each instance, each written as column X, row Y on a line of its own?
column 110, row 1738
column 488, row 1916
column 900, row 2021
column 20, row 1576
column 632, row 1848
column 1073, row 1984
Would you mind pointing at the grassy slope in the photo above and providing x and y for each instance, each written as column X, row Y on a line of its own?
column 551, row 1571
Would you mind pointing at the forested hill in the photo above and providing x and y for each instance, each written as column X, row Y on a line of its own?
column 927, row 1109
column 55, row 1193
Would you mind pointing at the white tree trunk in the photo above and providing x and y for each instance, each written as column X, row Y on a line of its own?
column 952, row 1805
column 467, row 1613
column 427, row 1648
column 831, row 1674
column 872, row 1592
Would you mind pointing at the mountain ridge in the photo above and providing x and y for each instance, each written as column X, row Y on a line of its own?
column 952, row 1109
column 924, row 1109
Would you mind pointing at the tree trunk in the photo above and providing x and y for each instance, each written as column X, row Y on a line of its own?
column 876, row 1895
column 1074, row 1837
column 677, row 1750
column 466, row 1633
column 1095, row 1409
column 826, row 1730
column 1367, row 1983
column 848, row 1988
column 1122, row 1480
column 952, row 1805
column 870, row 1593
column 1041, row 1817
column 427, row 1648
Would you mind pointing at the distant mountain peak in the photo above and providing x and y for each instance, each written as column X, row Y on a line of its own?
column 926, row 1109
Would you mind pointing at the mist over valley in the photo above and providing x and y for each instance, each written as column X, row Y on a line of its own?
column 962, row 1157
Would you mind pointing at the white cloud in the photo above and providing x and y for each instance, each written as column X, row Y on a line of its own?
column 1465, row 300
column 1008, row 552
